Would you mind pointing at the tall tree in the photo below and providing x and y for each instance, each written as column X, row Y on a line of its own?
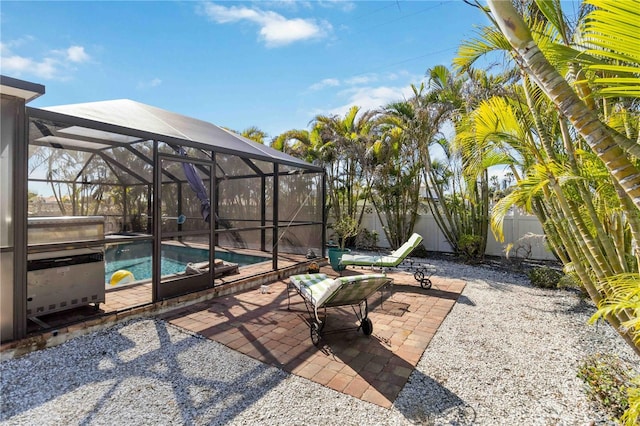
column 461, row 206
column 255, row 134
column 612, row 147
column 395, row 164
column 568, row 180
column 347, row 179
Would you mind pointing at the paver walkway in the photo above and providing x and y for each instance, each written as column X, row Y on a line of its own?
column 373, row 368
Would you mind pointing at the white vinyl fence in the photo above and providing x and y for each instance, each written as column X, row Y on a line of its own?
column 523, row 231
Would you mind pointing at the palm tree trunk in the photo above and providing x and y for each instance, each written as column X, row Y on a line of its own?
column 612, row 255
column 633, row 219
column 580, row 248
column 438, row 207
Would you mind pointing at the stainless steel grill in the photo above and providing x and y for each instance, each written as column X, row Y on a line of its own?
column 68, row 278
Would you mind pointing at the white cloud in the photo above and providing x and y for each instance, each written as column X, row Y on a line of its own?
column 223, row 15
column 155, row 82
column 342, row 5
column 56, row 64
column 345, row 6
column 360, row 90
column 352, row 81
column 46, row 68
column 370, row 98
column 362, row 79
column 327, row 82
column 275, row 29
column 288, row 4
column 6, row 46
column 392, row 76
column 77, row 54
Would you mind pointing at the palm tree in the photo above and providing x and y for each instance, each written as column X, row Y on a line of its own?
column 305, row 144
column 396, row 167
column 579, row 199
column 610, row 146
column 347, row 180
column 462, row 210
column 252, row 132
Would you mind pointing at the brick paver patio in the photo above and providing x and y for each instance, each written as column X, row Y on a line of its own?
column 373, row 368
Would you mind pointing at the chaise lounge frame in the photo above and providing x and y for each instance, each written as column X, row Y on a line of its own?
column 422, row 273
column 319, row 292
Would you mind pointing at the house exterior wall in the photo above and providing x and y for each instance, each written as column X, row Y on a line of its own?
column 14, row 94
column 8, row 126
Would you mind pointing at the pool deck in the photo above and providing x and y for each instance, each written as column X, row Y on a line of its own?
column 373, row 368
column 239, row 315
column 135, row 301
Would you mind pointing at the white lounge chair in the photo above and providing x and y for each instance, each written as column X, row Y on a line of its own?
column 393, row 260
column 384, row 261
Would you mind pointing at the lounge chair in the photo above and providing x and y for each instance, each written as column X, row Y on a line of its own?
column 319, row 291
column 384, row 261
column 220, row 268
column 422, row 273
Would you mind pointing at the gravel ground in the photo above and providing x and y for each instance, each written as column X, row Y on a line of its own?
column 506, row 354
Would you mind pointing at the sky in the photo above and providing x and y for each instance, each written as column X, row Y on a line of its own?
column 270, row 64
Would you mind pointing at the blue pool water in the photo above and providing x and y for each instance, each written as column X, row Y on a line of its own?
column 136, row 258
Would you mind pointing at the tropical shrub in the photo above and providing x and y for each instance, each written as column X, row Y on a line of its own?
column 420, row 252
column 579, row 176
column 632, row 415
column 345, row 228
column 622, row 300
column 571, row 281
column 545, row 277
column 367, row 239
column 611, row 382
column 471, row 247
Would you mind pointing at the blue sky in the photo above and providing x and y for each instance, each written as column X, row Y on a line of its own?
column 274, row 65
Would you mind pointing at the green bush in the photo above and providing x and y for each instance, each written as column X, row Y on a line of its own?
column 469, row 247
column 367, row 239
column 570, row 281
column 632, row 415
column 420, row 252
column 545, row 277
column 610, row 382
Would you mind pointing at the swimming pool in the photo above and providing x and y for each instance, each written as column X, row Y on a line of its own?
column 135, row 257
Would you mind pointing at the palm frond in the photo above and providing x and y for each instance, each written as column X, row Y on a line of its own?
column 623, row 296
column 522, row 196
column 490, row 39
column 609, row 33
column 552, row 10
